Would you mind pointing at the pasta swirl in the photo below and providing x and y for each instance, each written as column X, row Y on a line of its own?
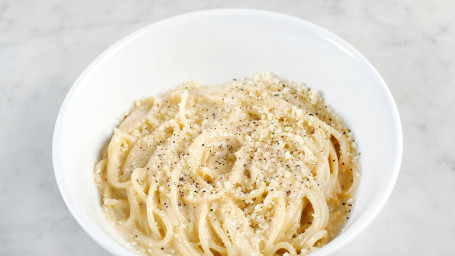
column 254, row 167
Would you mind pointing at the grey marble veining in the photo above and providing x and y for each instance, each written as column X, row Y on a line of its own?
column 45, row 45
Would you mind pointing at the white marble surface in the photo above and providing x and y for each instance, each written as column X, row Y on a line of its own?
column 44, row 46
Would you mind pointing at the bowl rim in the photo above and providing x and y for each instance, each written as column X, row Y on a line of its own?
column 336, row 244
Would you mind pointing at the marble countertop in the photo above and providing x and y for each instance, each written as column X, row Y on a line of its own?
column 45, row 45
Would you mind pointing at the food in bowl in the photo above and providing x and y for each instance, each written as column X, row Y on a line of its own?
column 259, row 166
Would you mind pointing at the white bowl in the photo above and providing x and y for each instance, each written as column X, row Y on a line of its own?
column 216, row 46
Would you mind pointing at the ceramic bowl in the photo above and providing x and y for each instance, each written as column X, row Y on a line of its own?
column 213, row 47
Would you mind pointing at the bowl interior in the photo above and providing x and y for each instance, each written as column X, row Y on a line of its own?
column 214, row 47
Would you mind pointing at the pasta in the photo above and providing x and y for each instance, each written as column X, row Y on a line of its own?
column 259, row 166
